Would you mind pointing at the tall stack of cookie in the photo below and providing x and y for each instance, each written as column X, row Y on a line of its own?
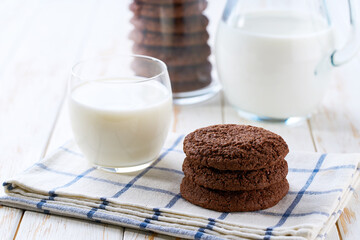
column 232, row 168
column 174, row 31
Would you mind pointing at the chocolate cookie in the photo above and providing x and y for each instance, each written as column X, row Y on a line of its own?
column 164, row 1
column 235, row 180
column 176, row 56
column 235, row 147
column 168, row 40
column 168, row 11
column 200, row 73
column 189, row 86
column 172, row 25
column 238, row 201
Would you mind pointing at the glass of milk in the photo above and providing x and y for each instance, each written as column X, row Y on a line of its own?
column 120, row 110
column 274, row 57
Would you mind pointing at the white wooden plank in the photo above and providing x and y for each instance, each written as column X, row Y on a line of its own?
column 133, row 234
column 42, row 226
column 333, row 234
column 108, row 35
column 62, row 131
column 349, row 220
column 336, row 128
column 9, row 220
column 32, row 88
column 16, row 17
column 27, row 104
column 12, row 28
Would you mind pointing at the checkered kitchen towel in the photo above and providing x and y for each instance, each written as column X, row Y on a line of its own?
column 65, row 184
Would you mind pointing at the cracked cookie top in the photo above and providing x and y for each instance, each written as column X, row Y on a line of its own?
column 235, row 147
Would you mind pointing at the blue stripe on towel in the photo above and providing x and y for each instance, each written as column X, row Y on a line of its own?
column 104, row 203
column 77, row 178
column 156, row 215
column 338, row 212
column 169, row 170
column 72, row 152
column 159, row 189
column 91, row 213
column 131, row 183
column 322, row 236
column 223, row 215
column 262, row 212
column 297, row 198
column 302, row 170
column 52, row 193
column 209, row 226
column 173, row 201
column 179, row 172
column 40, row 204
column 316, row 192
column 41, row 165
column 157, row 211
column 203, row 229
column 8, row 186
column 108, row 181
column 112, row 218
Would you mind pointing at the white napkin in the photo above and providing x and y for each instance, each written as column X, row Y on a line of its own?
column 65, row 184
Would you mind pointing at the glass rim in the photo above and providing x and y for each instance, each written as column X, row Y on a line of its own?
column 138, row 56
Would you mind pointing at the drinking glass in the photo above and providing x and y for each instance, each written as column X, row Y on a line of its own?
column 120, row 110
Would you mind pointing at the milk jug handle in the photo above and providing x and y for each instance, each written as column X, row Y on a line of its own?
column 352, row 46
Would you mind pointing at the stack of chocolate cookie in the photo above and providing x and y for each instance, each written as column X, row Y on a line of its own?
column 232, row 168
column 174, row 31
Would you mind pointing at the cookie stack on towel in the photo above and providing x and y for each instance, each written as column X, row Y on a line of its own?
column 174, row 31
column 232, row 168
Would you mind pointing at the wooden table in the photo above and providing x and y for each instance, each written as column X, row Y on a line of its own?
column 41, row 39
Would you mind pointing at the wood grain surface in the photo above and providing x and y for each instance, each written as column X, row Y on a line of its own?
column 39, row 42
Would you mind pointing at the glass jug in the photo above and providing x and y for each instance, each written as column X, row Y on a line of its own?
column 274, row 57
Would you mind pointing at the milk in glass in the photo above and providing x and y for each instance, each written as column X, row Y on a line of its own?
column 119, row 123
